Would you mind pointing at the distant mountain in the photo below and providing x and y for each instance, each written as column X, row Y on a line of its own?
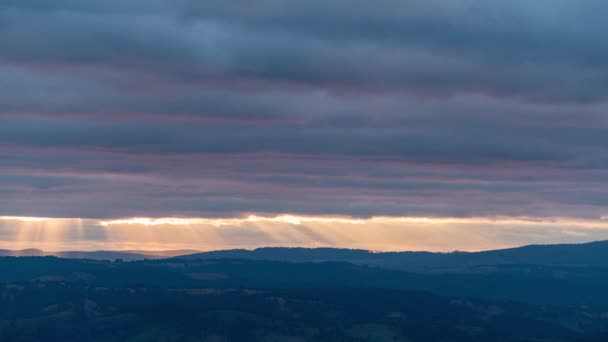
column 588, row 254
column 165, row 254
column 21, row 252
column 103, row 255
column 129, row 255
column 593, row 254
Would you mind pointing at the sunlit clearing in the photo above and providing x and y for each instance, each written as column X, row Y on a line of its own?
column 291, row 219
column 374, row 233
column 300, row 219
column 24, row 218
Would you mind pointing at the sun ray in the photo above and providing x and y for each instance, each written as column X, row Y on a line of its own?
column 257, row 230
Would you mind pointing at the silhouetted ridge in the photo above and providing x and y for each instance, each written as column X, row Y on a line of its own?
column 97, row 255
column 586, row 254
column 21, row 252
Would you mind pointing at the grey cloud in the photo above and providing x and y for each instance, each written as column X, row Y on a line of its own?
column 114, row 108
column 89, row 184
column 547, row 52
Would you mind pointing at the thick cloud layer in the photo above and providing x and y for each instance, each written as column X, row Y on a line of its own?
column 223, row 108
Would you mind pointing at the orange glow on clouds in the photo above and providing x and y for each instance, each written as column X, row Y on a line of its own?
column 298, row 220
column 218, row 222
column 24, row 218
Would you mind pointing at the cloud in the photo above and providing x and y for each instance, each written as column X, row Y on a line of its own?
column 542, row 52
column 61, row 182
column 435, row 108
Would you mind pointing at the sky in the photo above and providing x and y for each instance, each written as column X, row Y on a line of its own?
column 389, row 124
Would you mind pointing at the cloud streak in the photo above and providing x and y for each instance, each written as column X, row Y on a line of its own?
column 219, row 109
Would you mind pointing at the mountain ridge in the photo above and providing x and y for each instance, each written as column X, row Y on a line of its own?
column 585, row 254
column 126, row 255
column 590, row 254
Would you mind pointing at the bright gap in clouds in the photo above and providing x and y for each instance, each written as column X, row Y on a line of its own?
column 25, row 218
column 375, row 233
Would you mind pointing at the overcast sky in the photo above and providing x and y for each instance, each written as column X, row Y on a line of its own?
column 222, row 109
